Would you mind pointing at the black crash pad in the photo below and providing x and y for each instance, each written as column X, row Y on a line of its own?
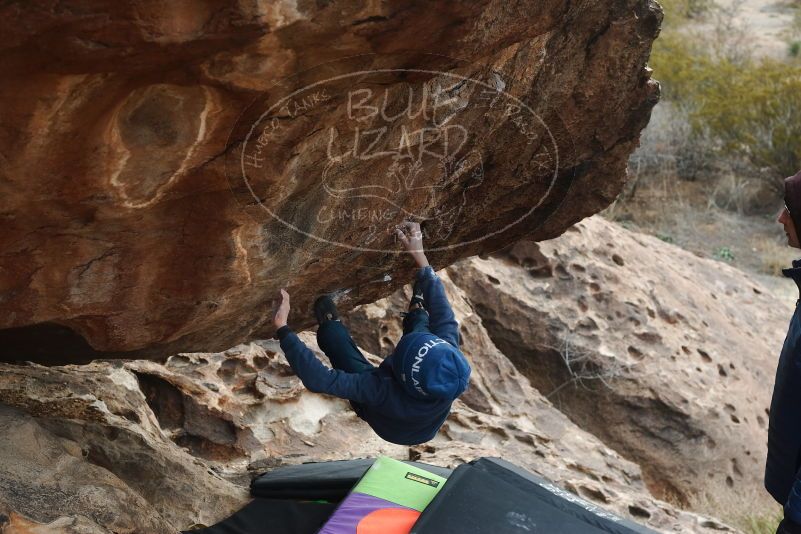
column 274, row 516
column 330, row 481
column 491, row 495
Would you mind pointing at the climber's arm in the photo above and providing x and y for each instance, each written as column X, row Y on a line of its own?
column 441, row 319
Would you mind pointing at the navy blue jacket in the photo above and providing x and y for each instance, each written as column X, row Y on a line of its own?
column 782, row 475
column 377, row 396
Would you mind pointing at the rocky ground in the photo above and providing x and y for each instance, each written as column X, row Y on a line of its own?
column 626, row 370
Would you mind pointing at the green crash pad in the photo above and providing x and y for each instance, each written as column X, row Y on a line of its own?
column 387, row 500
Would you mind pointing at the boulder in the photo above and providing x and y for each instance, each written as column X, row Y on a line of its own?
column 80, row 443
column 166, row 167
column 49, row 481
column 666, row 357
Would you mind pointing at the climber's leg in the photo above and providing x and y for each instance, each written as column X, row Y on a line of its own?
column 415, row 320
column 335, row 341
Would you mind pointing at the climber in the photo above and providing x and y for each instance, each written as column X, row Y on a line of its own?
column 407, row 398
column 782, row 470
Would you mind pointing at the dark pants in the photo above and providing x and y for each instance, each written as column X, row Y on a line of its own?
column 334, row 340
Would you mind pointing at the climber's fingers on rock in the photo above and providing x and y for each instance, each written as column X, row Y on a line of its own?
column 283, row 306
column 402, row 236
column 282, row 313
column 412, row 226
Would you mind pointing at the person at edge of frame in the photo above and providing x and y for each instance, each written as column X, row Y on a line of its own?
column 782, row 473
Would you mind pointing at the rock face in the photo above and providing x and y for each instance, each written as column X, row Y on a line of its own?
column 666, row 357
column 165, row 168
column 80, row 444
column 178, row 441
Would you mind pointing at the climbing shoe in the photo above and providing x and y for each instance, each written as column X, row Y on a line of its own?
column 416, row 303
column 417, row 300
column 325, row 309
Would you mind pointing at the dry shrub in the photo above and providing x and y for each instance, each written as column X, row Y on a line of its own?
column 748, row 110
column 668, row 147
column 761, row 524
column 738, row 193
column 775, row 257
column 753, row 512
column 679, row 11
column 755, row 112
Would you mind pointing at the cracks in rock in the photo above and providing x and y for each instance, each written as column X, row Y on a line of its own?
column 88, row 265
column 597, row 36
column 372, row 18
column 189, row 424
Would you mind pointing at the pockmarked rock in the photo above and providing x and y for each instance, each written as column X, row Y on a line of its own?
column 81, row 443
column 667, row 357
column 165, row 170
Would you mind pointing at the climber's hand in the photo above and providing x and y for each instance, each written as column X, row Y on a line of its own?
column 413, row 241
column 282, row 314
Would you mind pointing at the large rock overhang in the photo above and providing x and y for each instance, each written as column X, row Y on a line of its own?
column 165, row 170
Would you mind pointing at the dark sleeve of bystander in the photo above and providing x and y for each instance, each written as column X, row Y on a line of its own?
column 788, row 527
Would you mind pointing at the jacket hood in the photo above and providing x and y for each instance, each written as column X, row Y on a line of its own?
column 429, row 367
column 792, row 199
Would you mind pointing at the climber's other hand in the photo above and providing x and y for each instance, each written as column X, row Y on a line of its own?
column 282, row 314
